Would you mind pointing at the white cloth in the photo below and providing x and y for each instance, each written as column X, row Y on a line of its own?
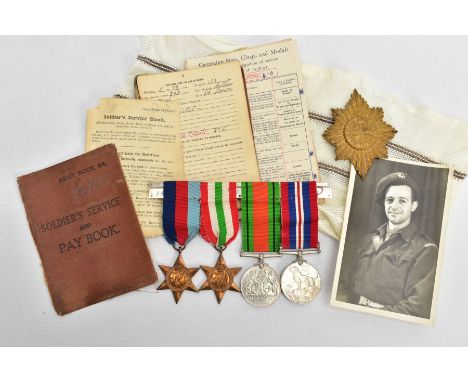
column 168, row 53
column 423, row 134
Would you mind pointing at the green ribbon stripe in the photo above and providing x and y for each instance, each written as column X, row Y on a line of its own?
column 219, row 204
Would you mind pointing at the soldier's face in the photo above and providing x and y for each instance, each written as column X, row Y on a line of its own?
column 399, row 204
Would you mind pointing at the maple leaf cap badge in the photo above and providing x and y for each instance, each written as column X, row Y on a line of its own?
column 359, row 133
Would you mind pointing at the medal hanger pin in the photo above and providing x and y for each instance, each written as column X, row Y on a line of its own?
column 260, row 284
column 300, row 281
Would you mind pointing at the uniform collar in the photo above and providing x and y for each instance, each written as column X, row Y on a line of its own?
column 406, row 233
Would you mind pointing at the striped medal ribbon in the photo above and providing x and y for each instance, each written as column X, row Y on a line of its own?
column 181, row 212
column 300, row 281
column 181, row 222
column 219, row 225
column 218, row 210
column 261, row 223
column 260, row 217
column 299, row 215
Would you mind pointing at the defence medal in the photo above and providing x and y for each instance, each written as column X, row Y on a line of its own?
column 219, row 225
column 181, row 222
column 300, row 281
column 260, row 285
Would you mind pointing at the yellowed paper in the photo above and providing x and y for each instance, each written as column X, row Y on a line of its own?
column 147, row 137
column 278, row 108
column 214, row 118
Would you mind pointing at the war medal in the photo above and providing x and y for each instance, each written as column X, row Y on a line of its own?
column 181, row 222
column 300, row 281
column 219, row 226
column 260, row 285
column 359, row 133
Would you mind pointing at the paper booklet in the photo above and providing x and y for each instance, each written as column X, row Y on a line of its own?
column 214, row 119
column 86, row 230
column 278, row 107
column 147, row 136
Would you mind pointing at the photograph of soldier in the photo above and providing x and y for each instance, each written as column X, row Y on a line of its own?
column 390, row 254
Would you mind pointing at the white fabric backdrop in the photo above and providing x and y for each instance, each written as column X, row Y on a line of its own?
column 48, row 83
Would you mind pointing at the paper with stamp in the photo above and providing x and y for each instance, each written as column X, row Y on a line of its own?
column 278, row 108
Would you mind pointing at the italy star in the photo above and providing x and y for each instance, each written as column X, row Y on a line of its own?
column 359, row 133
column 220, row 278
column 178, row 278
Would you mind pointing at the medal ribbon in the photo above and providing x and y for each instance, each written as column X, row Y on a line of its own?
column 219, row 215
column 261, row 217
column 299, row 215
column 181, row 211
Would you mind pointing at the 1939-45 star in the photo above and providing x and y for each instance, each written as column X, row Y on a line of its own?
column 178, row 278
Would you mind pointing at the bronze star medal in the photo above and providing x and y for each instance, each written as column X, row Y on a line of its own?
column 178, row 278
column 220, row 278
column 359, row 133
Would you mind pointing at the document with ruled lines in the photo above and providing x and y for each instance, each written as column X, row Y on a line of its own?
column 278, row 108
column 147, row 136
column 216, row 133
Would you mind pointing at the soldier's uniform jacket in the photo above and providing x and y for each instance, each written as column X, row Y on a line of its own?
column 397, row 273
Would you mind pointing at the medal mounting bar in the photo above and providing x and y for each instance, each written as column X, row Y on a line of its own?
column 261, row 255
column 303, row 251
column 156, row 191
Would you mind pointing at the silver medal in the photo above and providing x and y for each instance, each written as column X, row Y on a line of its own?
column 260, row 285
column 300, row 282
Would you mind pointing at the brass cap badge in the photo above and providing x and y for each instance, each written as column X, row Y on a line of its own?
column 359, row 133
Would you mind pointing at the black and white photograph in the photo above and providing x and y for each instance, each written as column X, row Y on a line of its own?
column 391, row 247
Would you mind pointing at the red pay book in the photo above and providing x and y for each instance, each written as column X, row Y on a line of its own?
column 86, row 230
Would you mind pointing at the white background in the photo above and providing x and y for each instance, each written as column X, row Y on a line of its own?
column 46, row 86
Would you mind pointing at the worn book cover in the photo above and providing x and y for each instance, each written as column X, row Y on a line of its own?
column 86, row 230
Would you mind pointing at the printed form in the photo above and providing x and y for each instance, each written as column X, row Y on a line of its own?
column 216, row 133
column 278, row 107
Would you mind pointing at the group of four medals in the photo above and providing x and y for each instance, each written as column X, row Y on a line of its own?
column 277, row 218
